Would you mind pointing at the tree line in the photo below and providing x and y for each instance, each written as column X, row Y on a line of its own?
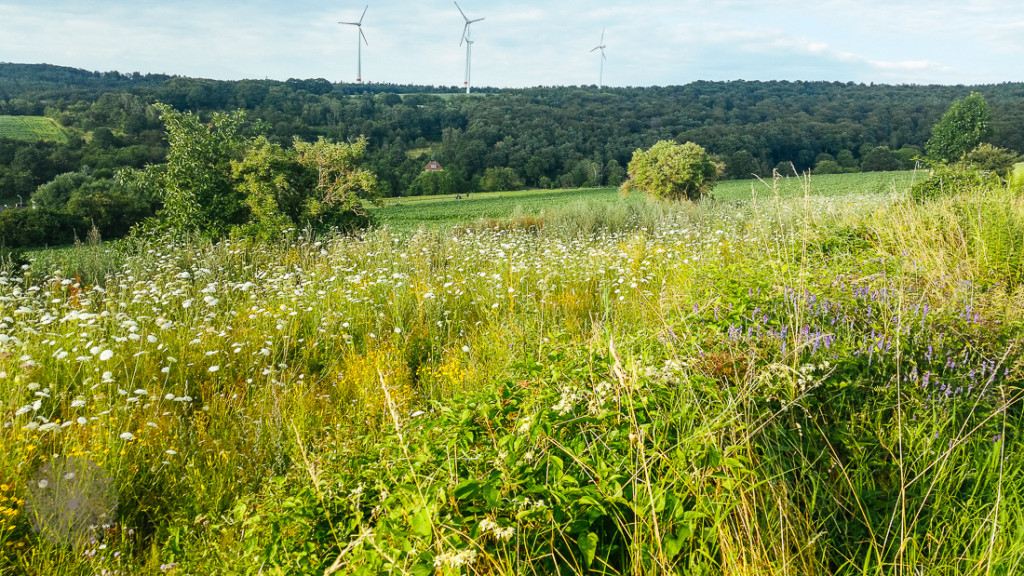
column 496, row 139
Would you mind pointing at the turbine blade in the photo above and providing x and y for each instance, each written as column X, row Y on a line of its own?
column 461, row 12
column 364, row 14
column 477, row 20
column 465, row 31
column 350, row 23
column 602, row 35
column 596, row 48
column 363, row 35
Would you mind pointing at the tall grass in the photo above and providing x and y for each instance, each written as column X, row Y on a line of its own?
column 788, row 385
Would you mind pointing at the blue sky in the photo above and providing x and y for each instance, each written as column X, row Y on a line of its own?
column 529, row 42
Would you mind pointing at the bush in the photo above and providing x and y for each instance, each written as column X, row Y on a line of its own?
column 946, row 181
column 433, row 183
column 40, row 227
column 880, row 159
column 828, row 167
column 988, row 158
column 785, row 169
column 670, row 171
column 501, row 180
column 109, row 207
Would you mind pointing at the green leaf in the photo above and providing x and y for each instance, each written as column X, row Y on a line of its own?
column 420, row 522
column 672, row 546
column 491, row 495
column 466, row 489
column 555, row 467
column 588, row 547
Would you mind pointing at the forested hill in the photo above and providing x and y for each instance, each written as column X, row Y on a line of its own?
column 566, row 136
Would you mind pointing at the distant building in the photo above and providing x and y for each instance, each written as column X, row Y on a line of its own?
column 433, row 166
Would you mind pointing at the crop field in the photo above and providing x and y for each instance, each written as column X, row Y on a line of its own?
column 31, row 129
column 446, row 211
column 822, row 378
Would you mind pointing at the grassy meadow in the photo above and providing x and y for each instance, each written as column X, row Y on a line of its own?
column 819, row 377
column 411, row 213
column 31, row 129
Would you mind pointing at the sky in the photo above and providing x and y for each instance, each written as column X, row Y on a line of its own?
column 523, row 43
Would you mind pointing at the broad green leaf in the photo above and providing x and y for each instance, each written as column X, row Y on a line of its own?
column 672, row 545
column 420, row 522
column 466, row 489
column 588, row 547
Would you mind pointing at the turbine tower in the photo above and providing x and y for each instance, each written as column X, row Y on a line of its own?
column 469, row 43
column 601, row 47
column 360, row 36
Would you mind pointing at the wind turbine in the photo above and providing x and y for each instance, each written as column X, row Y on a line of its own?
column 359, row 26
column 469, row 43
column 601, row 47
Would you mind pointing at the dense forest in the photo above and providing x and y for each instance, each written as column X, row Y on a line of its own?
column 494, row 139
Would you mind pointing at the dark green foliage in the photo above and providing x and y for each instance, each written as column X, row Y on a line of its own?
column 909, row 157
column 785, row 169
column 40, row 227
column 742, row 165
column 12, row 259
column 541, row 133
column 880, row 159
column 846, row 160
column 56, row 193
column 432, row 183
column 614, row 173
column 828, row 167
column 112, row 208
column 195, row 184
column 500, row 180
column 103, row 202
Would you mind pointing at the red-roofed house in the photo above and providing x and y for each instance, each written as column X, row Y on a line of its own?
column 433, row 166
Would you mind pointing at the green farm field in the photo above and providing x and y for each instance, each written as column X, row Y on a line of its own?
column 446, row 211
column 31, row 129
column 818, row 377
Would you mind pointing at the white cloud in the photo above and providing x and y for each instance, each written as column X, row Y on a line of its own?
column 527, row 42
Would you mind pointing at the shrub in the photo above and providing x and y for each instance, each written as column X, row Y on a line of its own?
column 670, row 171
column 40, row 227
column 946, row 181
column 500, row 180
column 989, row 158
column 828, row 167
column 433, row 183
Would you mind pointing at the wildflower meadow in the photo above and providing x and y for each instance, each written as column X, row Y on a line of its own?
column 780, row 384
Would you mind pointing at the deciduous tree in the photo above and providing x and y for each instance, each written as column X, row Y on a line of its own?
column 962, row 128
